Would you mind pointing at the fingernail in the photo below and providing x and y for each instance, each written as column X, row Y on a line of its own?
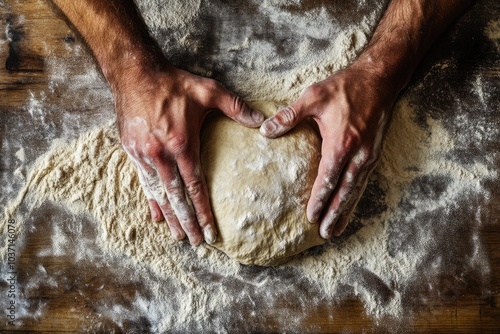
column 196, row 240
column 268, row 128
column 312, row 215
column 155, row 215
column 326, row 232
column 209, row 234
column 177, row 235
column 313, row 219
column 258, row 117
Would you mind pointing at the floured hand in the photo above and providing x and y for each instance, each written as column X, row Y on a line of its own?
column 351, row 110
column 160, row 113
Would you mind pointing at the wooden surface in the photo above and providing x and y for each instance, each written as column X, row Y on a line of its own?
column 36, row 34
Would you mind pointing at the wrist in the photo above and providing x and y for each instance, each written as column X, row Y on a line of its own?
column 117, row 35
column 140, row 84
column 382, row 74
column 127, row 62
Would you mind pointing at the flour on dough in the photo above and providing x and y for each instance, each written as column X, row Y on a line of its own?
column 259, row 189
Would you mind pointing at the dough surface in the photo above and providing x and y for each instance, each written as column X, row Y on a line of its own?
column 259, row 189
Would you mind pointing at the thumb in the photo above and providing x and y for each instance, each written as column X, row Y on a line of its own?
column 234, row 107
column 282, row 122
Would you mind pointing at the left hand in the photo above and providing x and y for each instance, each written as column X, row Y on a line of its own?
column 352, row 109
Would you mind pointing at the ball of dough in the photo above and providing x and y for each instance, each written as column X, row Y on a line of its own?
column 259, row 189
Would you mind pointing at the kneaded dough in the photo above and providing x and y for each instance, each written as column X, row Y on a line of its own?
column 259, row 188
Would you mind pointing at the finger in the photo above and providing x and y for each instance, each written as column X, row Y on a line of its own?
column 350, row 184
column 345, row 218
column 197, row 191
column 341, row 224
column 356, row 196
column 176, row 194
column 234, row 107
column 157, row 199
column 154, row 208
column 330, row 168
column 339, row 199
column 282, row 122
column 172, row 221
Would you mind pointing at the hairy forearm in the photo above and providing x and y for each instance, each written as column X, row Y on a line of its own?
column 405, row 33
column 116, row 34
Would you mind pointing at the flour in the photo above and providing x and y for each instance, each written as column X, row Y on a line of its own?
column 493, row 32
column 305, row 46
column 93, row 175
column 394, row 250
column 159, row 14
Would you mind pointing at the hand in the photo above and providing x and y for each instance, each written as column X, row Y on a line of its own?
column 161, row 112
column 351, row 108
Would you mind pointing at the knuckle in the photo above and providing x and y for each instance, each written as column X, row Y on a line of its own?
column 352, row 140
column 210, row 91
column 329, row 182
column 189, row 226
column 313, row 90
column 194, row 187
column 153, row 148
column 317, row 90
column 237, row 105
column 345, row 194
column 287, row 116
column 175, row 192
column 212, row 85
column 178, row 144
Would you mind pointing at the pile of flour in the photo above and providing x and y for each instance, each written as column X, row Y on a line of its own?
column 393, row 246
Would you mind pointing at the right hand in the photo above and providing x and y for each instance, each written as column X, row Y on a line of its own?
column 160, row 113
column 352, row 108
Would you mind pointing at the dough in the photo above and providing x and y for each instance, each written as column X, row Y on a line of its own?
column 259, row 189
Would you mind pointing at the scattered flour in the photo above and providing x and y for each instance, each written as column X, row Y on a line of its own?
column 262, row 44
column 492, row 31
column 174, row 14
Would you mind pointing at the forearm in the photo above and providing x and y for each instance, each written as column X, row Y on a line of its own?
column 404, row 34
column 116, row 34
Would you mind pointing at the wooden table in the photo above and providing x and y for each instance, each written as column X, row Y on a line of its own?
column 36, row 34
